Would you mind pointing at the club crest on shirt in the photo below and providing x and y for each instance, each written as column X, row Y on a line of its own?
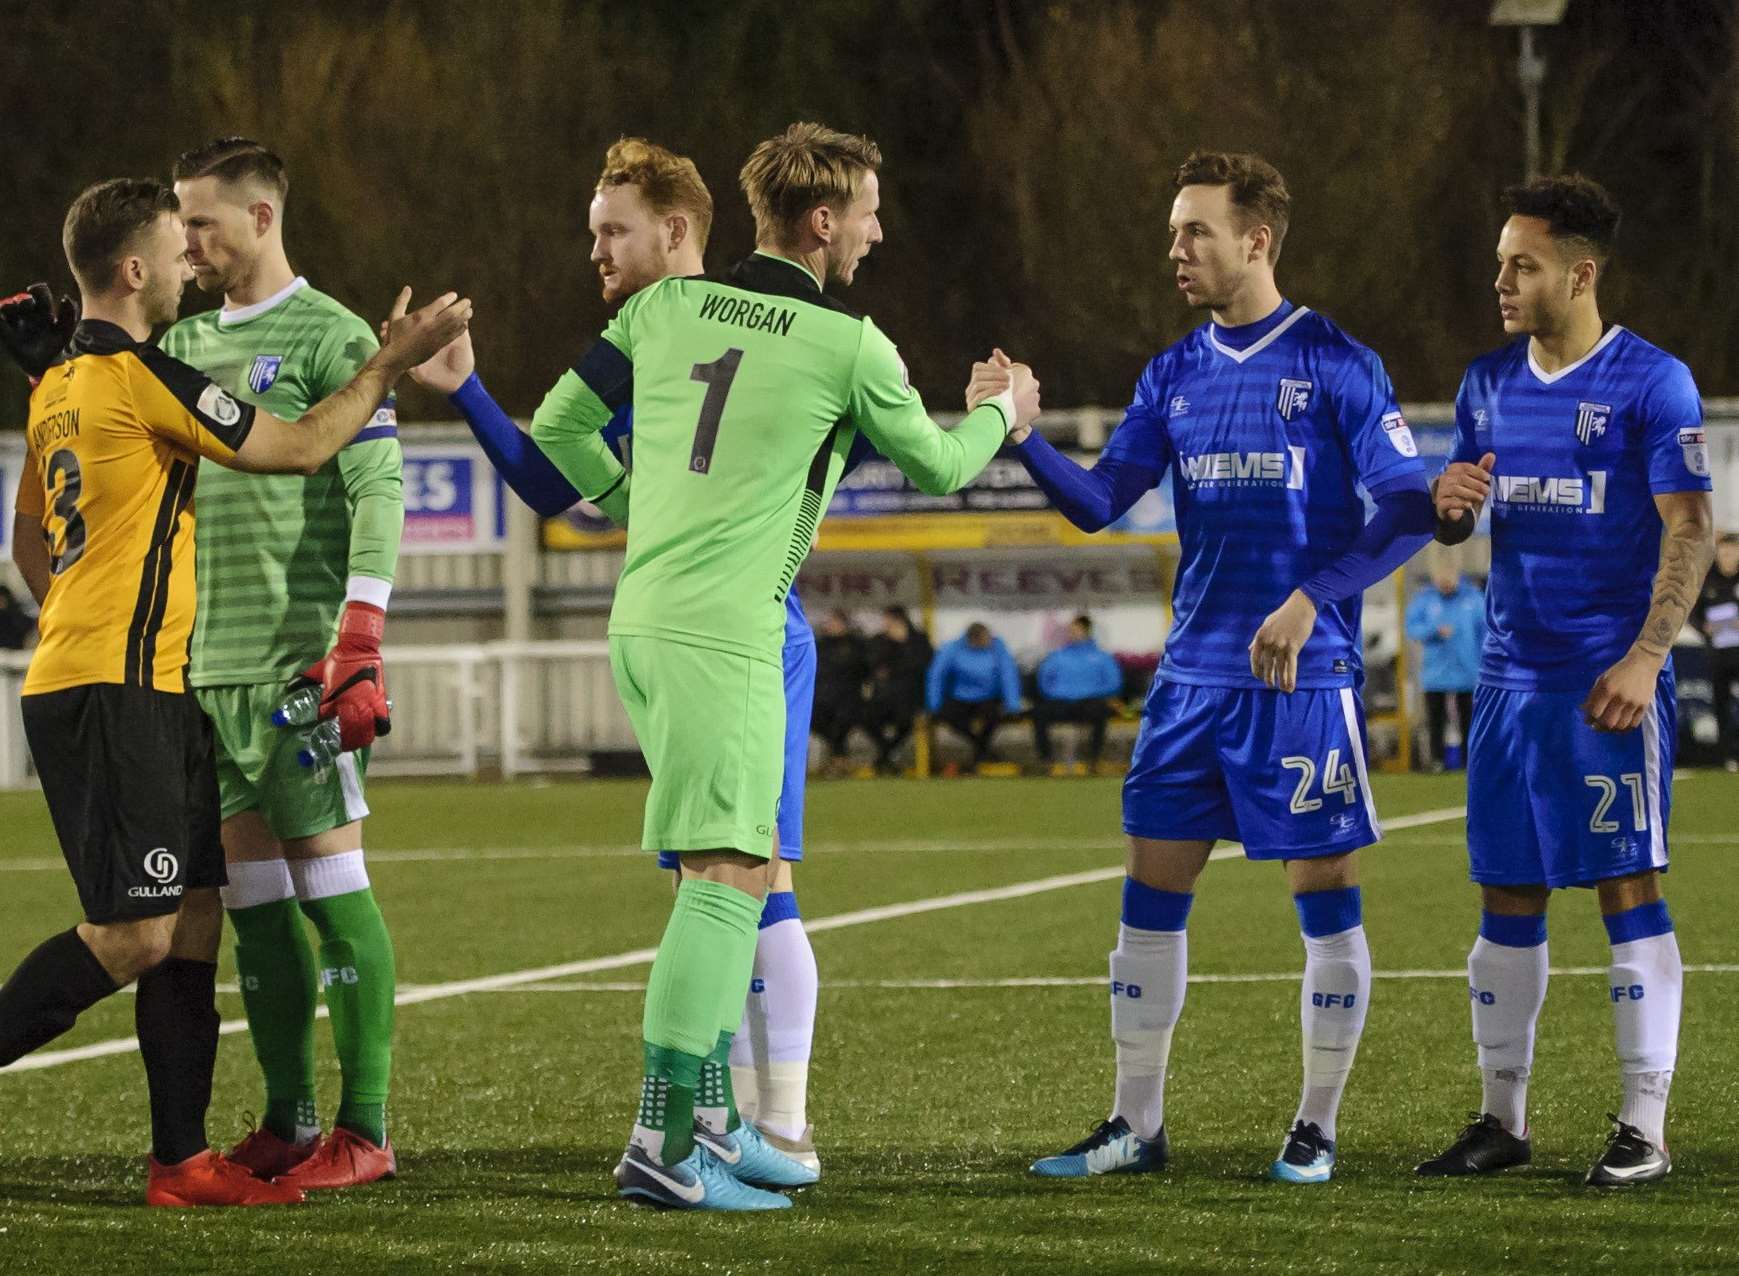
column 264, row 373
column 1591, row 419
column 1294, row 398
column 1695, row 445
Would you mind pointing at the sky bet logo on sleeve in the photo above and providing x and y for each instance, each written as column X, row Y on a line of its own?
column 1695, row 445
column 1399, row 434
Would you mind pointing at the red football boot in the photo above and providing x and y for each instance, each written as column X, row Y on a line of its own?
column 343, row 1159
column 266, row 1156
column 209, row 1179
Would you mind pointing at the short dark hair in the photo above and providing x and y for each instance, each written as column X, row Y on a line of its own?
column 976, row 630
column 1575, row 209
column 1085, row 621
column 103, row 221
column 234, row 159
column 1254, row 186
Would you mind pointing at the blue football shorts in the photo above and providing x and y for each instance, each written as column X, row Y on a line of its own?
column 1552, row 801
column 1283, row 774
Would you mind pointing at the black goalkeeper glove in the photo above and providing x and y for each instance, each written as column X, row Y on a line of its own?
column 34, row 329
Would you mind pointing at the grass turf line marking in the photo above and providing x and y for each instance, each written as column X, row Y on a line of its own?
column 416, row 995
column 1096, row 981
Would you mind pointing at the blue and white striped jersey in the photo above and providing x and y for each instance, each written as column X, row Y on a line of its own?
column 1575, row 537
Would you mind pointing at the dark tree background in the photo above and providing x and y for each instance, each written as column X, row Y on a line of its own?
column 1029, row 148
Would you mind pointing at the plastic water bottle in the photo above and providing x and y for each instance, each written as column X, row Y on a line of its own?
column 320, row 746
column 300, row 708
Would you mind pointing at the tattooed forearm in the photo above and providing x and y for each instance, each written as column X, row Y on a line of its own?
column 1687, row 548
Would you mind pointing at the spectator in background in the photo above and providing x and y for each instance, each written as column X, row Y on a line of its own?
column 16, row 624
column 1076, row 683
column 1716, row 616
column 898, row 657
column 973, row 682
column 840, row 670
column 1448, row 622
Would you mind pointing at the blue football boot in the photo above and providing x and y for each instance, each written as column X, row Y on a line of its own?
column 1308, row 1156
column 697, row 1182
column 1112, row 1148
column 749, row 1158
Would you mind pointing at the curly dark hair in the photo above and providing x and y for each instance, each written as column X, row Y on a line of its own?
column 1576, row 210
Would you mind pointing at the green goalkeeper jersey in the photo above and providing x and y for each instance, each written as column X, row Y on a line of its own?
column 273, row 552
column 747, row 393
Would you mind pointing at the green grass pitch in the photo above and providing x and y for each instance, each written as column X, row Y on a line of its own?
column 937, row 1077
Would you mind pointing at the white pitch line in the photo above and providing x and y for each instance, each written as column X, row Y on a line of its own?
column 1097, row 981
column 415, row 995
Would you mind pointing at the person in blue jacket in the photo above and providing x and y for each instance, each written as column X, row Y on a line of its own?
column 1448, row 622
column 1076, row 683
column 972, row 683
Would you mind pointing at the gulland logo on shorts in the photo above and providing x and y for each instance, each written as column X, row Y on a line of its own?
column 161, row 867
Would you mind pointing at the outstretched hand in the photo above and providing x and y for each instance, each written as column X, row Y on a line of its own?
column 450, row 367
column 35, row 328
column 411, row 339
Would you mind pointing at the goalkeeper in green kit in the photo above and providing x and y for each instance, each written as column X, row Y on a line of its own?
column 290, row 567
column 747, row 392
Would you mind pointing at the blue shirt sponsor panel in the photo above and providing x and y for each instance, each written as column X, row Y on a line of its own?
column 1575, row 536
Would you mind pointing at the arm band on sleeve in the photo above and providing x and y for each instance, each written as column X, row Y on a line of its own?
column 532, row 475
column 1090, row 499
column 1400, row 527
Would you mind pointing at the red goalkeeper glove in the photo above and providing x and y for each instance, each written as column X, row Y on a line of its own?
column 352, row 678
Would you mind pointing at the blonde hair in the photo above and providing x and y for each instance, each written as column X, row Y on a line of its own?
column 668, row 182
column 805, row 166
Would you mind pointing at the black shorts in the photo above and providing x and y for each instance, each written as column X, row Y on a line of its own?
column 131, row 784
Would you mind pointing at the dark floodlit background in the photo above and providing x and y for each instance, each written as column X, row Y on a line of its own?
column 1029, row 149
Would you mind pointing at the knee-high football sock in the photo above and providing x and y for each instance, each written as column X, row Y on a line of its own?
column 360, row 978
column 703, row 965
column 175, row 1015
column 1647, row 983
column 1149, row 971
column 57, row 981
column 1506, row 985
column 770, row 1055
column 275, row 963
column 1332, row 1006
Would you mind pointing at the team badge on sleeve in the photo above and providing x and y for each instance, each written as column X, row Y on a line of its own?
column 1397, row 431
column 264, row 374
column 215, row 402
column 1591, row 419
column 1294, row 398
column 1695, row 445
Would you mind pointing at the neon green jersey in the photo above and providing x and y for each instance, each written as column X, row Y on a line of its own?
column 272, row 552
column 747, row 394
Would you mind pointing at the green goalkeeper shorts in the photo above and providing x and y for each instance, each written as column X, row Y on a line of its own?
column 257, row 767
column 712, row 727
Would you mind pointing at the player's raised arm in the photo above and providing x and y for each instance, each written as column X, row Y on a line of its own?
column 568, row 425
column 271, row 446
column 886, row 408
column 533, row 477
column 1130, row 465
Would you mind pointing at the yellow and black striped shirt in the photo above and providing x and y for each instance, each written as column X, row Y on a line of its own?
column 115, row 436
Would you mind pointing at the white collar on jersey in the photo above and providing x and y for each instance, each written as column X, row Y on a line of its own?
column 1550, row 377
column 241, row 314
column 1238, row 356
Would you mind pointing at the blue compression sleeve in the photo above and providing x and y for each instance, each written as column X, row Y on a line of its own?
column 1090, row 499
column 1402, row 524
column 519, row 460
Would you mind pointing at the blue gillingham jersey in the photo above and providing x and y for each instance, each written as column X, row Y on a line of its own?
column 1266, row 430
column 1575, row 536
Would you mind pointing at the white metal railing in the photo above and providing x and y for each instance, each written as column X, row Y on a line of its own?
column 521, row 706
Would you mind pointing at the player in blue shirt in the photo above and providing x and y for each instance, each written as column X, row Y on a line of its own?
column 1267, row 418
column 1588, row 443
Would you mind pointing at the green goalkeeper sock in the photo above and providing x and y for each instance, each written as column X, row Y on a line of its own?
column 358, row 974
column 707, row 951
column 275, row 963
column 715, row 1102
